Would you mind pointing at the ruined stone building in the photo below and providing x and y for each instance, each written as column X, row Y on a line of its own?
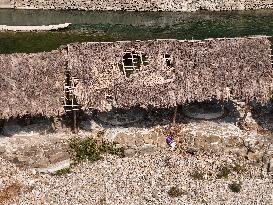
column 158, row 73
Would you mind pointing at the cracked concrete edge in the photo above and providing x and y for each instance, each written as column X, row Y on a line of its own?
column 55, row 167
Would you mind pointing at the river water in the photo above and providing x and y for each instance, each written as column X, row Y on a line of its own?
column 111, row 26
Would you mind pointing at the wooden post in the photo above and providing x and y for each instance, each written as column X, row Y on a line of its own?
column 53, row 124
column 27, row 120
column 174, row 115
column 2, row 123
column 75, row 121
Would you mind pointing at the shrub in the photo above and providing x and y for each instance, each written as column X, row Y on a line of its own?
column 224, row 172
column 84, row 149
column 111, row 148
column 63, row 171
column 239, row 168
column 235, row 187
column 175, row 192
column 197, row 175
column 89, row 149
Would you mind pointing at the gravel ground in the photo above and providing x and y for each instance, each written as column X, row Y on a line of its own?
column 142, row 179
column 200, row 177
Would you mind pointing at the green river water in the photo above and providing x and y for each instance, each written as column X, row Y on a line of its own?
column 112, row 26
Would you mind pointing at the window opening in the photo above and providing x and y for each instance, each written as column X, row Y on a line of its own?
column 132, row 61
column 167, row 59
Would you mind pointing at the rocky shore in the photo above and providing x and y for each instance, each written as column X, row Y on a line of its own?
column 140, row 5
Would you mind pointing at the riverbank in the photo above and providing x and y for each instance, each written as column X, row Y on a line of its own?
column 139, row 5
column 89, row 26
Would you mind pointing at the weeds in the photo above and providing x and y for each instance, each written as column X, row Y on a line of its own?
column 63, row 171
column 102, row 201
column 224, row 172
column 111, row 148
column 91, row 150
column 176, row 192
column 10, row 192
column 197, row 175
column 167, row 162
column 239, row 168
column 84, row 149
column 203, row 201
column 235, row 187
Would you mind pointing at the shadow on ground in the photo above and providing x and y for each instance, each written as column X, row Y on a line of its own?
column 126, row 118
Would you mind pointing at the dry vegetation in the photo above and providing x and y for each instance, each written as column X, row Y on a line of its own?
column 10, row 192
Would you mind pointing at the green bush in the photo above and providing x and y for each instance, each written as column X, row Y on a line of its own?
column 91, row 150
column 224, row 172
column 235, row 187
column 197, row 175
column 63, row 171
column 110, row 148
column 175, row 192
column 84, row 149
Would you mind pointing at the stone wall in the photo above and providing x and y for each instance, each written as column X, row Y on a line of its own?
column 139, row 5
column 31, row 84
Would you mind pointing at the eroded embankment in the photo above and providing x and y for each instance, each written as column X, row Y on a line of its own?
column 140, row 5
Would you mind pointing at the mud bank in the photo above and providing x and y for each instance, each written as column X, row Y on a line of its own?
column 139, row 5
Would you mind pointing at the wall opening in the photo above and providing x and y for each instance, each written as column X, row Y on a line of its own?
column 69, row 100
column 133, row 61
column 168, row 60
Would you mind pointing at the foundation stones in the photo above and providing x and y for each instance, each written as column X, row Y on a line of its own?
column 129, row 152
column 148, row 139
column 193, row 138
column 147, row 149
